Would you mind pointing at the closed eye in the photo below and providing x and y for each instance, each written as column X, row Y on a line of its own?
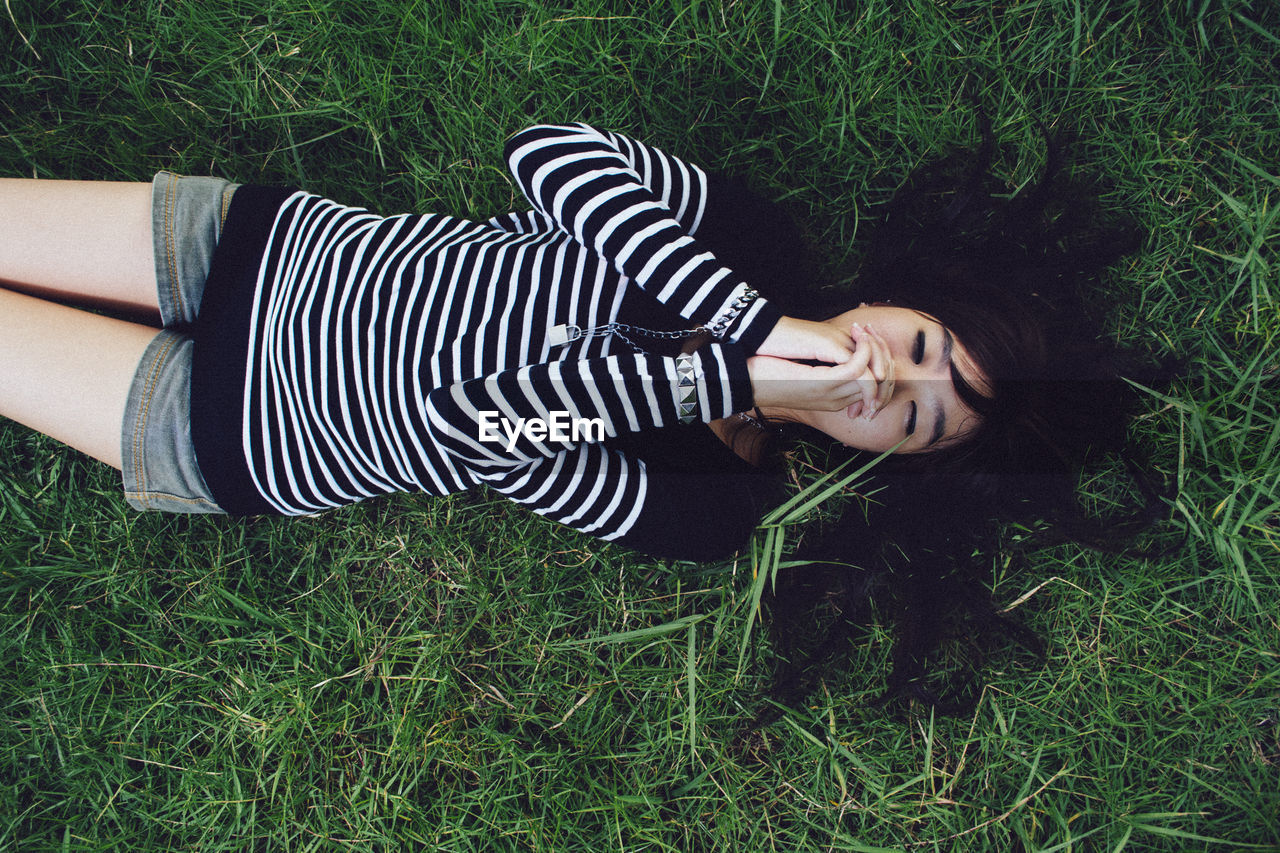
column 917, row 352
column 911, row 419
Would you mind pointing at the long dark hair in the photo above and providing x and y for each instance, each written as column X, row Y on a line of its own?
column 1018, row 279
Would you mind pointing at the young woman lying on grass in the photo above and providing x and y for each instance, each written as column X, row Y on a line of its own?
column 313, row 355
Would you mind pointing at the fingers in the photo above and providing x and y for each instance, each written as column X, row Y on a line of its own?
column 826, row 343
column 882, row 366
column 862, row 383
column 854, row 385
column 867, row 346
column 863, row 353
column 776, row 381
column 802, row 340
column 839, row 349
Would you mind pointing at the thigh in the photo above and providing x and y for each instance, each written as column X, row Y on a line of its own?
column 67, row 372
column 86, row 242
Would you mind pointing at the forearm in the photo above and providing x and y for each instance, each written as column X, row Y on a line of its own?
column 484, row 422
column 641, row 217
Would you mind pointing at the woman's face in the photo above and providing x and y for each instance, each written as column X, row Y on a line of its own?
column 924, row 408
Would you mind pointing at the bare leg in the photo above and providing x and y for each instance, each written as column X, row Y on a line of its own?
column 85, row 242
column 67, row 372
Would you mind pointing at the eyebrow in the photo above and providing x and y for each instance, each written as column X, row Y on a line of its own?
column 940, row 416
column 939, row 423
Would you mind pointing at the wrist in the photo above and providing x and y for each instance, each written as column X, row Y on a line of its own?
column 755, row 325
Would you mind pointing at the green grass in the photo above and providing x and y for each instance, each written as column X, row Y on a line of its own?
column 433, row 672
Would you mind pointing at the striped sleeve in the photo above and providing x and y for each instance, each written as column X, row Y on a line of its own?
column 537, row 411
column 617, row 498
column 588, row 487
column 639, row 209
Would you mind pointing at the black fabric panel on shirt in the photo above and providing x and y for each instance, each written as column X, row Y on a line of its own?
column 221, row 333
column 711, row 499
column 753, row 237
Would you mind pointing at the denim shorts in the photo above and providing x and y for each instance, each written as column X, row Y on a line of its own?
column 160, row 470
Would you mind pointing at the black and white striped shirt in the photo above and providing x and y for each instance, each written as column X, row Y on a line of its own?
column 342, row 355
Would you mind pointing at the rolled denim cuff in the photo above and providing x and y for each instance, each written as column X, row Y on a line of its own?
column 187, row 215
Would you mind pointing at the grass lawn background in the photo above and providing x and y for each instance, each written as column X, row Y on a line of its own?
column 431, row 671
